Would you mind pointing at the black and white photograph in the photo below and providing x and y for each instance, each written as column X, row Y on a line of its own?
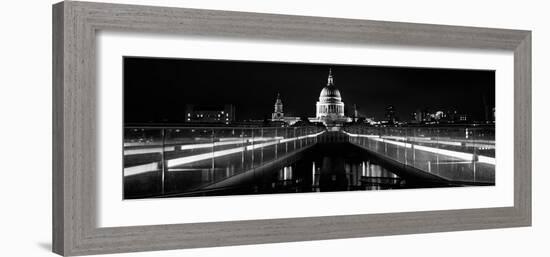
column 275, row 128
column 196, row 127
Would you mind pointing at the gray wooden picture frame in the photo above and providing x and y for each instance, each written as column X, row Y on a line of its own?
column 75, row 25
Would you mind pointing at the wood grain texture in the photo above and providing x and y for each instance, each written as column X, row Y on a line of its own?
column 74, row 121
column 58, row 217
column 522, row 129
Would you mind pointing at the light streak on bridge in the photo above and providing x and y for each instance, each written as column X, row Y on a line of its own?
column 154, row 166
column 455, row 154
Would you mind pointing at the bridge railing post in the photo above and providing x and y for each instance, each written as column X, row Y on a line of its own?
column 475, row 153
column 286, row 142
column 407, row 142
column 276, row 144
column 252, row 146
column 261, row 148
column 294, row 136
column 301, row 140
column 163, row 160
column 213, row 149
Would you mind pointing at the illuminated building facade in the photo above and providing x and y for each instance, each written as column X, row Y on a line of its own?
column 390, row 115
column 210, row 113
column 278, row 114
column 330, row 107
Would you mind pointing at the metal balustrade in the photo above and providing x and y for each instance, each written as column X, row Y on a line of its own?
column 461, row 154
column 160, row 161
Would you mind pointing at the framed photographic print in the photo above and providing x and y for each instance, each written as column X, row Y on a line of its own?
column 181, row 128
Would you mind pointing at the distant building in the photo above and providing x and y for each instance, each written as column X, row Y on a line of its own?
column 330, row 107
column 356, row 116
column 390, row 116
column 463, row 118
column 210, row 113
column 452, row 116
column 439, row 117
column 279, row 116
column 416, row 117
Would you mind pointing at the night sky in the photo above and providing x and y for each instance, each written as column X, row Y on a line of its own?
column 157, row 90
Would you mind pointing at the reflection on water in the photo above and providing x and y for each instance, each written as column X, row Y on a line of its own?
column 332, row 171
column 326, row 168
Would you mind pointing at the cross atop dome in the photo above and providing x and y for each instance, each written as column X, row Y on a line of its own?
column 330, row 81
column 330, row 92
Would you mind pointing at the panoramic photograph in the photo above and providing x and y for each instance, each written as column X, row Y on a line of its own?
column 195, row 127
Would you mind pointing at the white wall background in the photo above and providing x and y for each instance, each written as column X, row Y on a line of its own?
column 25, row 129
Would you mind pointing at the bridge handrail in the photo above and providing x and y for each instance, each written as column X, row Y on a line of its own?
column 433, row 150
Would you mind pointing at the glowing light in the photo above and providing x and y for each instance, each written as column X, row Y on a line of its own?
column 208, row 145
column 395, row 138
column 402, row 144
column 148, row 150
column 202, row 157
column 264, row 139
column 459, row 155
column 359, row 135
column 440, row 142
column 313, row 174
column 455, row 154
column 154, row 166
column 233, row 141
column 485, row 159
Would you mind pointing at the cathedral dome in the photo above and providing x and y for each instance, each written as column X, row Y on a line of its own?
column 330, row 91
column 330, row 108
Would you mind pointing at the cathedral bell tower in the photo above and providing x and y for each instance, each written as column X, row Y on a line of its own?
column 278, row 114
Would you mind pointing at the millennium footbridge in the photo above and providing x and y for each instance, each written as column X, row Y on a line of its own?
column 190, row 161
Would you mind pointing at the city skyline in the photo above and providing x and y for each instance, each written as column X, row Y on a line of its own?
column 202, row 128
column 157, row 90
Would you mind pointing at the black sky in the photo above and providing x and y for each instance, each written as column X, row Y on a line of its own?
column 157, row 90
